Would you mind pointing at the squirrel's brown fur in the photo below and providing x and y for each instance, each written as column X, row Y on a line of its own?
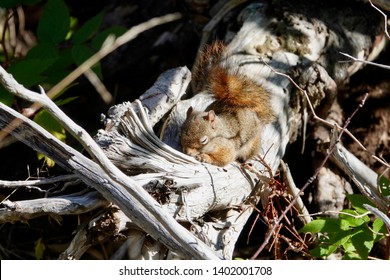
column 231, row 128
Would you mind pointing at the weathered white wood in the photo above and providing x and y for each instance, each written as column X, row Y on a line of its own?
column 379, row 214
column 107, row 224
column 262, row 46
column 90, row 173
column 364, row 177
column 24, row 210
column 293, row 38
column 38, row 182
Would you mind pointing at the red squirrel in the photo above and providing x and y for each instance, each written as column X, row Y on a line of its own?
column 231, row 127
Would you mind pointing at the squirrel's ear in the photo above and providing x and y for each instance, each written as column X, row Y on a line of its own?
column 189, row 111
column 211, row 115
column 211, row 118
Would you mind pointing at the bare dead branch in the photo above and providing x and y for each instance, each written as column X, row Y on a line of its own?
column 382, row 13
column 43, row 181
column 365, row 61
column 24, row 210
column 327, row 123
column 379, row 214
column 332, row 148
column 130, row 189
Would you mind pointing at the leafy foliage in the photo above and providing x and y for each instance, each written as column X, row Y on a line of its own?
column 353, row 233
column 55, row 22
column 39, row 249
column 61, row 46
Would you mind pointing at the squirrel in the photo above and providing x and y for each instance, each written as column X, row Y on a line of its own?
column 231, row 126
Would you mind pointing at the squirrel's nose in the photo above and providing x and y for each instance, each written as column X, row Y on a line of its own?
column 190, row 152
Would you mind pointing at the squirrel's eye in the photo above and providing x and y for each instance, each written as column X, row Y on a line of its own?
column 203, row 140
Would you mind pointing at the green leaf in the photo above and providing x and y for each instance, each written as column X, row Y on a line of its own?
column 88, row 29
column 384, row 185
column 72, row 24
column 60, row 68
column 378, row 227
column 351, row 255
column 81, row 53
column 44, row 119
column 48, row 161
column 39, row 249
column 360, row 243
column 352, row 220
column 350, row 233
column 98, row 41
column 28, row 71
column 54, row 23
column 363, row 241
column 323, row 251
column 44, row 50
column 325, row 225
column 340, row 237
column 357, row 201
column 329, row 244
column 65, row 60
column 61, row 102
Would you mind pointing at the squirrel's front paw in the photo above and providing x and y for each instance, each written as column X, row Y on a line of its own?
column 204, row 158
column 215, row 159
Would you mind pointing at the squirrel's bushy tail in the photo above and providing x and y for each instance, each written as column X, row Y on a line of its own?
column 232, row 89
column 208, row 58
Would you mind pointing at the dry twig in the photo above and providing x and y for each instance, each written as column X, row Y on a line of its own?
column 108, row 47
column 308, row 183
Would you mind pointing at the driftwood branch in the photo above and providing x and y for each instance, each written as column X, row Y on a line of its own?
column 363, row 177
column 132, row 164
column 109, row 223
column 379, row 214
column 113, row 184
column 25, row 210
column 37, row 182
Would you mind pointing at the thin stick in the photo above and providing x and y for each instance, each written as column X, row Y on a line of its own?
column 327, row 123
column 44, row 181
column 365, row 61
column 384, row 16
column 307, row 184
column 106, row 49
